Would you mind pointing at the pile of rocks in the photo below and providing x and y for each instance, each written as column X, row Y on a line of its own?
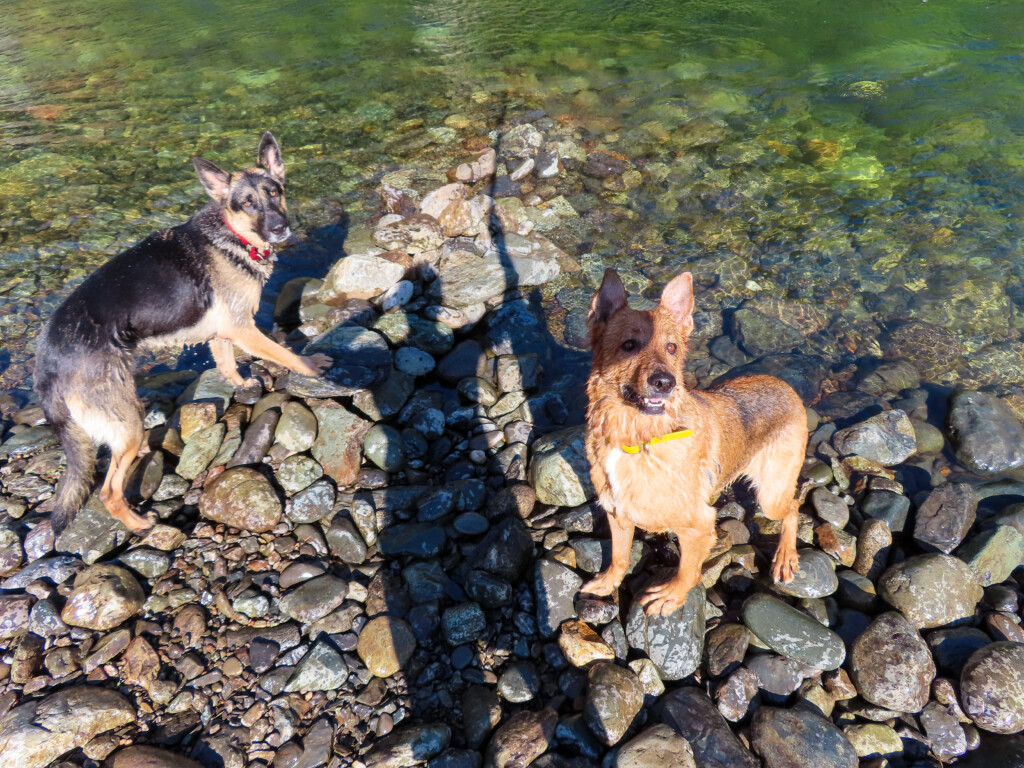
column 382, row 567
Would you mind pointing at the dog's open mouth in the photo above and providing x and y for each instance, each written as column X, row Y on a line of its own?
column 650, row 406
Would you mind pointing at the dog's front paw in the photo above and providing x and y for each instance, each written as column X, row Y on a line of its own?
column 785, row 563
column 667, row 598
column 602, row 585
column 316, row 364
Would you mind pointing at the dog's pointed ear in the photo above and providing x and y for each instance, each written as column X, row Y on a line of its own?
column 609, row 299
column 268, row 156
column 677, row 298
column 215, row 181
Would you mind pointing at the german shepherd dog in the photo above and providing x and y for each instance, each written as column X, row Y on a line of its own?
column 661, row 454
column 197, row 282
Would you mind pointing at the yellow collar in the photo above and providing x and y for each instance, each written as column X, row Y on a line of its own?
column 655, row 440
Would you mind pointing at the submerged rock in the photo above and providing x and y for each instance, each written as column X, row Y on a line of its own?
column 988, row 437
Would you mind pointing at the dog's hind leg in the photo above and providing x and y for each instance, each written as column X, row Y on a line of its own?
column 113, row 416
column 774, row 471
column 123, row 453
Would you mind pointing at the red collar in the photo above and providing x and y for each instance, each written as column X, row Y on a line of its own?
column 254, row 252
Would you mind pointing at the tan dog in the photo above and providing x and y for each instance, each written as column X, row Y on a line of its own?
column 661, row 454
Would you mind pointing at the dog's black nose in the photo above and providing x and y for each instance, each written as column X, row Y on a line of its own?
column 279, row 229
column 662, row 382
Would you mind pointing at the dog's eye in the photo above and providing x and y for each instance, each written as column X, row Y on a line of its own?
column 671, row 348
column 247, row 203
column 629, row 345
column 273, row 193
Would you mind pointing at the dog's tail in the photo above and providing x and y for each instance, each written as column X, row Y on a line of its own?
column 79, row 451
column 74, row 485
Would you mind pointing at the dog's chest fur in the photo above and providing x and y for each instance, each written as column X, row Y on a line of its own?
column 648, row 488
column 235, row 299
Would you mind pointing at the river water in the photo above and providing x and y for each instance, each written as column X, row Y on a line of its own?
column 862, row 163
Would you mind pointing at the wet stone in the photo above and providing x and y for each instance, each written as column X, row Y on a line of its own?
column 14, row 615
column 298, row 572
column 521, row 739
column 296, row 429
column 256, row 441
column 725, row 647
column 360, row 358
column 314, row 599
column 383, row 445
column 141, row 756
column 411, row 330
column 11, row 555
column 994, row 554
column 582, row 645
column 793, row 634
column 614, row 698
column 519, row 682
column 675, row 643
column 931, row 590
column 241, row 498
column 409, row 745
column 463, row 623
column 487, row 589
column 559, row 470
column 987, row 435
column 992, row 687
column 345, row 541
column 148, row 563
column 891, row 664
column 830, row 507
column 297, row 473
column 816, row 577
column 793, row 738
column 693, row 715
column 56, row 570
column 93, row 533
column 778, row 676
column 32, row 440
column 856, row 591
column 655, row 747
column 38, row 732
column 887, row 438
column 385, row 645
column 200, row 450
column 892, row 508
column 595, row 611
column 311, row 504
column 481, row 711
column 103, row 597
column 339, row 442
column 322, row 669
column 555, row 586
column 735, row 696
column 414, row 539
column 945, row 516
column 873, row 740
column 946, row 736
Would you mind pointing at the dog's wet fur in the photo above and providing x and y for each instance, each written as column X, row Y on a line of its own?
column 753, row 427
column 197, row 282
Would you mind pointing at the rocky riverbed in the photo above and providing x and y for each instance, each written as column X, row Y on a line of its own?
column 381, row 568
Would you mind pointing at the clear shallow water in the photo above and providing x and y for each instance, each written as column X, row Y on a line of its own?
column 864, row 159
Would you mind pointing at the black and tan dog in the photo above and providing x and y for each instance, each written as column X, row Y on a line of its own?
column 197, row 282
